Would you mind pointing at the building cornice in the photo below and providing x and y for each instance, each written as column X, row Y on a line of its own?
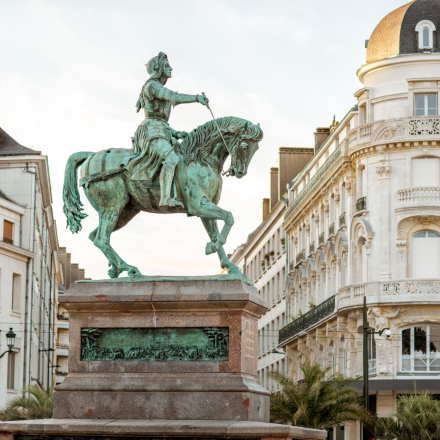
column 396, row 61
column 15, row 251
column 17, row 209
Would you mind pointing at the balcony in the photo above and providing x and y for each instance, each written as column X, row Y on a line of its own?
column 8, row 240
column 301, row 256
column 361, row 204
column 321, row 239
column 423, row 196
column 361, row 134
column 412, row 129
column 423, row 291
column 312, row 248
column 291, row 266
column 62, row 350
column 309, row 319
column 342, row 221
column 331, row 230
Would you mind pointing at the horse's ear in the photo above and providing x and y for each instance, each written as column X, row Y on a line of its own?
column 258, row 125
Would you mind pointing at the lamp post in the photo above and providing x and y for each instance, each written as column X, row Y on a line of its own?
column 10, row 341
column 367, row 331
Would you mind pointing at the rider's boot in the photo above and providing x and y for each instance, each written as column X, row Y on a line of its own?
column 166, row 181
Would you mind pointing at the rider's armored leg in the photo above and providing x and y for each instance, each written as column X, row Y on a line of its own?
column 166, row 180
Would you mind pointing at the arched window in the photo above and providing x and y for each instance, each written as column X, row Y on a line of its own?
column 420, row 349
column 425, row 29
column 425, row 37
column 426, row 255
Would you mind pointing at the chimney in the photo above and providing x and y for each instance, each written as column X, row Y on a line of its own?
column 273, row 187
column 321, row 135
column 265, row 208
column 291, row 162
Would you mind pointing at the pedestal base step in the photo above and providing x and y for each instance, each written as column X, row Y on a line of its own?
column 86, row 429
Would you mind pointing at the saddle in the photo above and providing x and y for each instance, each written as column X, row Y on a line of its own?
column 107, row 163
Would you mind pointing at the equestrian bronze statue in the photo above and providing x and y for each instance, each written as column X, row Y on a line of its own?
column 166, row 171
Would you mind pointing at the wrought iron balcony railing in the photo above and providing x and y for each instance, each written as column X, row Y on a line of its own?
column 361, row 204
column 342, row 220
column 8, row 240
column 301, row 256
column 311, row 248
column 291, row 266
column 314, row 316
column 331, row 229
column 321, row 239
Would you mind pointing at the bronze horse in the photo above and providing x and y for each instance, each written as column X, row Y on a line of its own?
column 197, row 183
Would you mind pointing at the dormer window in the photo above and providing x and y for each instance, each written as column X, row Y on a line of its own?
column 425, row 30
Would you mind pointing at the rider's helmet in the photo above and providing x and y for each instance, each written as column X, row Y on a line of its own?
column 155, row 66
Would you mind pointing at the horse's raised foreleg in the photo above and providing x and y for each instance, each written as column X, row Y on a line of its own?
column 108, row 219
column 209, row 210
column 212, row 230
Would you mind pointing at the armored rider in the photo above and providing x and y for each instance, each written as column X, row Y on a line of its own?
column 154, row 138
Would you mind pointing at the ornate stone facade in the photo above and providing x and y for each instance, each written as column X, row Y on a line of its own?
column 370, row 199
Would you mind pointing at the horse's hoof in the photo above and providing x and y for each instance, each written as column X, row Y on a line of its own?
column 113, row 273
column 210, row 248
column 235, row 271
column 133, row 272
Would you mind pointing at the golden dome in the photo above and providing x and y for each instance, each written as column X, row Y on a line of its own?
column 385, row 39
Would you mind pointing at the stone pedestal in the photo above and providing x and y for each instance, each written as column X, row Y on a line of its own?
column 161, row 357
column 163, row 389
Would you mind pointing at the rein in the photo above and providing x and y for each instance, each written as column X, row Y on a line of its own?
column 224, row 173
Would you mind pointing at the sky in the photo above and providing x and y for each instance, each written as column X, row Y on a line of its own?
column 71, row 73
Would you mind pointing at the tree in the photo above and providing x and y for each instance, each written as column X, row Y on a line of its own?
column 38, row 404
column 417, row 418
column 317, row 401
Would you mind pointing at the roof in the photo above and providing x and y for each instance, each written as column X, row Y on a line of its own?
column 396, row 33
column 10, row 147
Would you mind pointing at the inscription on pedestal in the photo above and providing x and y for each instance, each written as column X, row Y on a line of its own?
column 155, row 344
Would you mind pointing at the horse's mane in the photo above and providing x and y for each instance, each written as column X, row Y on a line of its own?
column 197, row 146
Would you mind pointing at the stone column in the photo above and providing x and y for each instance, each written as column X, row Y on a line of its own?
column 384, row 173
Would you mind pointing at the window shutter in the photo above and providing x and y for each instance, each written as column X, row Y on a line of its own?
column 7, row 231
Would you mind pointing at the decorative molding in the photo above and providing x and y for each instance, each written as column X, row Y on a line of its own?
column 384, row 171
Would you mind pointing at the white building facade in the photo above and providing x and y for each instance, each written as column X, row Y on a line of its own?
column 263, row 258
column 363, row 221
column 29, row 269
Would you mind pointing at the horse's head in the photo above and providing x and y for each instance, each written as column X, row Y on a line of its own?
column 243, row 149
column 241, row 138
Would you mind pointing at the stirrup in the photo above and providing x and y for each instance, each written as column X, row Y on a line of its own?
column 171, row 201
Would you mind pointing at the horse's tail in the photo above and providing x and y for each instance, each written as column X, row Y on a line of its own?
column 72, row 204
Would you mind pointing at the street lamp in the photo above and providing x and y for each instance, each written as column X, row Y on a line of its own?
column 10, row 341
column 367, row 331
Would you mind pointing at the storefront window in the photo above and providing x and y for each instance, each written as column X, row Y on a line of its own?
column 421, row 349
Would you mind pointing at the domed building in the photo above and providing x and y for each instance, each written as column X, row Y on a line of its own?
column 363, row 222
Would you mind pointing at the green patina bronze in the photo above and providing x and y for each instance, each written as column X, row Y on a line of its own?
column 166, row 171
column 155, row 344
